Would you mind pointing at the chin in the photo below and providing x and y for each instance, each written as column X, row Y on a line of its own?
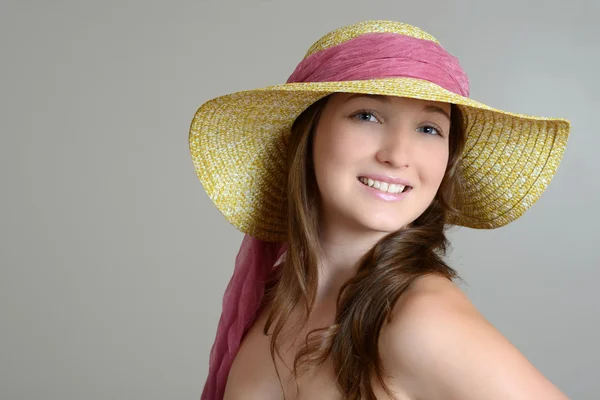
column 384, row 224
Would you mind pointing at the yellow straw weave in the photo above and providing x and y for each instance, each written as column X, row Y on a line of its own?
column 237, row 144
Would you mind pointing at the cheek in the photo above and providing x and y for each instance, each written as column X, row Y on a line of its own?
column 338, row 148
column 435, row 163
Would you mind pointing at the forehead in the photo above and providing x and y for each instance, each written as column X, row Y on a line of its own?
column 430, row 106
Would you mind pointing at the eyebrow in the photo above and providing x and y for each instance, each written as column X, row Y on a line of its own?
column 438, row 110
column 385, row 99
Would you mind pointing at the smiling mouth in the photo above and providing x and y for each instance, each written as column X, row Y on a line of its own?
column 384, row 187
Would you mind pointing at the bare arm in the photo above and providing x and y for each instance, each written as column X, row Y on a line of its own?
column 439, row 347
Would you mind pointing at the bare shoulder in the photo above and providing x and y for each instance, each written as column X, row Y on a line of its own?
column 438, row 346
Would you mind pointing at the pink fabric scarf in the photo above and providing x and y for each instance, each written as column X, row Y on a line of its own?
column 384, row 55
column 370, row 56
column 241, row 301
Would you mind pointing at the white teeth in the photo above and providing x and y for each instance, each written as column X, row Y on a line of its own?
column 383, row 186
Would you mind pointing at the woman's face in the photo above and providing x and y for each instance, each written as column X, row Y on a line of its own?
column 379, row 160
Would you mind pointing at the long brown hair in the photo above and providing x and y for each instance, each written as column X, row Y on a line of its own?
column 384, row 272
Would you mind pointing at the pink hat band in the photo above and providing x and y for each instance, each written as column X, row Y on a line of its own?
column 384, row 55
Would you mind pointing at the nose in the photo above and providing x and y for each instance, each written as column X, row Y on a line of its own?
column 395, row 149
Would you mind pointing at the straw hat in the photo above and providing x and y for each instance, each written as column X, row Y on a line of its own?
column 237, row 141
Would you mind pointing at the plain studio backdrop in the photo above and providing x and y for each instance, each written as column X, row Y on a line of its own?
column 114, row 260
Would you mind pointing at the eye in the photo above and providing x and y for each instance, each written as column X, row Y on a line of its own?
column 365, row 115
column 430, row 130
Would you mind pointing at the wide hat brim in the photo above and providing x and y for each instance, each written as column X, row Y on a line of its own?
column 237, row 143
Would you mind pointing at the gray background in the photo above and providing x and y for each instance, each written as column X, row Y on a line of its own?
column 113, row 259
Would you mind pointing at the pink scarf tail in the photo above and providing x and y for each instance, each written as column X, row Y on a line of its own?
column 241, row 301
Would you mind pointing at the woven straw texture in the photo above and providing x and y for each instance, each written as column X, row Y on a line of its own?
column 237, row 144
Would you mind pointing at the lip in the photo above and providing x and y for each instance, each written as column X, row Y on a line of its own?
column 389, row 197
column 387, row 178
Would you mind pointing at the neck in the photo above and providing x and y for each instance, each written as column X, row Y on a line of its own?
column 341, row 250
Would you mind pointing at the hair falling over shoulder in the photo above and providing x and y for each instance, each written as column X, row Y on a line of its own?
column 384, row 272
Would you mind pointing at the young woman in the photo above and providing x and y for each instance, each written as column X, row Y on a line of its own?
column 344, row 180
